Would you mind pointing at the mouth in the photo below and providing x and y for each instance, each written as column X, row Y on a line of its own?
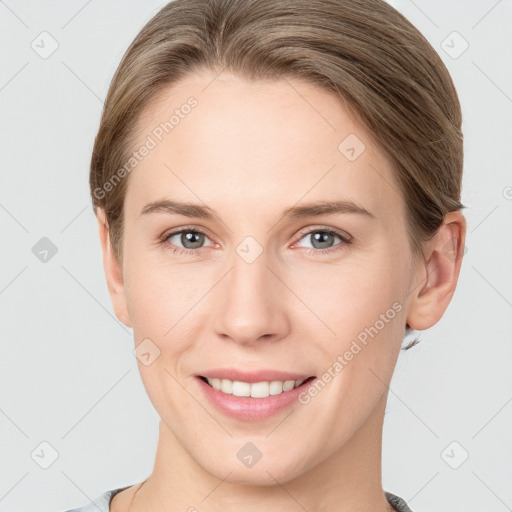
column 262, row 389
column 252, row 395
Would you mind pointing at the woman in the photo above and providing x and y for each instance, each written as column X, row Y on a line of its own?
column 277, row 188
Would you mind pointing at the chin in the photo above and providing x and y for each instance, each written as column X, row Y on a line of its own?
column 267, row 471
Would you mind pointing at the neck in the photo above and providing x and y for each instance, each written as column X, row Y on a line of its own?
column 348, row 480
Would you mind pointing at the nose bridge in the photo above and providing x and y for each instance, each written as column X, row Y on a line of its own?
column 249, row 275
column 249, row 306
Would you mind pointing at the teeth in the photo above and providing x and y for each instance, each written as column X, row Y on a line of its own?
column 226, row 386
column 255, row 389
column 216, row 383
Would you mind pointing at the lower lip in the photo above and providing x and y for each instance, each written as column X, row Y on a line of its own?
column 249, row 408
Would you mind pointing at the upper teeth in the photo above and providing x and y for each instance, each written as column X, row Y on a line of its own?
column 255, row 389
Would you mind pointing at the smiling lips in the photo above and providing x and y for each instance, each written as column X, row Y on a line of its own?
column 255, row 384
column 252, row 396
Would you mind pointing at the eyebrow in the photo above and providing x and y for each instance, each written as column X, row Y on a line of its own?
column 312, row 209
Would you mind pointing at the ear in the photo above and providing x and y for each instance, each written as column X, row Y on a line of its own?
column 113, row 271
column 439, row 273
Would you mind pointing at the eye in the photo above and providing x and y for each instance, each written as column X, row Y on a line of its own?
column 186, row 240
column 322, row 240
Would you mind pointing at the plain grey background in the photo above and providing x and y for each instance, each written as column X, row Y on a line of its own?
column 71, row 397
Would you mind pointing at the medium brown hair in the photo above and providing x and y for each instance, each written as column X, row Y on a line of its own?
column 364, row 51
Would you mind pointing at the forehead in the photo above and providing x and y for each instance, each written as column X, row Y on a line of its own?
column 259, row 143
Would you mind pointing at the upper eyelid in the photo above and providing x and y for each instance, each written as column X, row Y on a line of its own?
column 339, row 232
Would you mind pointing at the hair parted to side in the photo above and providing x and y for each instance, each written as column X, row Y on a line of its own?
column 364, row 51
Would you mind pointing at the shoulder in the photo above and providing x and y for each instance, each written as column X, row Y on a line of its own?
column 398, row 503
column 101, row 503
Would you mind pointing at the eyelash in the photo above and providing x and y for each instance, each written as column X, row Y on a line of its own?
column 345, row 240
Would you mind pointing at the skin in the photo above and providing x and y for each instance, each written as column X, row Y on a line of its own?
column 249, row 151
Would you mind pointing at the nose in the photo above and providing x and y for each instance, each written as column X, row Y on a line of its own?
column 251, row 302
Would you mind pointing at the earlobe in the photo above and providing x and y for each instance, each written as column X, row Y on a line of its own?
column 113, row 271
column 440, row 273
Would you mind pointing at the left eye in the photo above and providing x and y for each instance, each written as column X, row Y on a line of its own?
column 322, row 240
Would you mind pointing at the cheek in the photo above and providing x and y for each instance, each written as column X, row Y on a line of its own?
column 158, row 301
column 166, row 303
column 154, row 293
column 352, row 295
column 363, row 307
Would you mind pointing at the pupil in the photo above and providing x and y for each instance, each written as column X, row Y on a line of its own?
column 321, row 236
column 189, row 237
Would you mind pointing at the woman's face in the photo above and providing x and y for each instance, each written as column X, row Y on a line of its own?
column 253, row 278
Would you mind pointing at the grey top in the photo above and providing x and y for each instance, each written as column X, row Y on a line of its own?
column 102, row 503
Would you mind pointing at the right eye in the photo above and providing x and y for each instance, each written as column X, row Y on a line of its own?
column 190, row 239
